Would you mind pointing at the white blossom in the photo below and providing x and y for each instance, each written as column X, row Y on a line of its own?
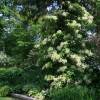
column 44, row 41
column 59, row 32
column 50, row 49
column 51, row 17
column 74, row 24
column 55, row 56
column 64, row 61
column 65, row 14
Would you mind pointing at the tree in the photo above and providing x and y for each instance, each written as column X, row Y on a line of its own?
column 16, row 34
column 62, row 49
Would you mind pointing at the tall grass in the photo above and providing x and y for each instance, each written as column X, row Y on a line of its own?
column 73, row 93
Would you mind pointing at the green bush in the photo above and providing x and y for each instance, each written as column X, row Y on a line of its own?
column 33, row 91
column 11, row 75
column 29, row 87
column 72, row 93
column 17, row 88
column 5, row 91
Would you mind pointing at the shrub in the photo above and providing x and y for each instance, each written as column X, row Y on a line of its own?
column 33, row 91
column 17, row 89
column 40, row 96
column 27, row 87
column 5, row 60
column 72, row 93
column 5, row 91
column 37, row 93
column 11, row 75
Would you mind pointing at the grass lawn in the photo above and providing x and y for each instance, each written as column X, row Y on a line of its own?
column 6, row 98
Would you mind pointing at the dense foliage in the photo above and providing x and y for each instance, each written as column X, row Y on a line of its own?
column 62, row 49
column 45, row 46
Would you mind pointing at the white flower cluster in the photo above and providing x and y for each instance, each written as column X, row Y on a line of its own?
column 54, row 35
column 50, row 49
column 61, row 78
column 37, row 46
column 76, row 31
column 2, row 55
column 67, row 50
column 51, row 17
column 49, row 77
column 62, row 44
column 79, row 36
column 65, row 14
column 84, row 66
column 88, row 52
column 55, row 56
column 74, row 24
column 59, row 32
column 44, row 42
column 4, row 59
column 63, row 61
column 70, row 6
column 87, row 17
column 77, row 58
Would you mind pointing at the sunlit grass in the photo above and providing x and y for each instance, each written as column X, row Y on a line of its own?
column 6, row 98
